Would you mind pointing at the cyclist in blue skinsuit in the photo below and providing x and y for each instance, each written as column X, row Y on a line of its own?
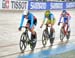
column 31, row 21
column 66, row 17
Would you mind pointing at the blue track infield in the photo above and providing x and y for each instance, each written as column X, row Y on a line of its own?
column 57, row 49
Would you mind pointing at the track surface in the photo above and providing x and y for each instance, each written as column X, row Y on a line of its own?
column 10, row 36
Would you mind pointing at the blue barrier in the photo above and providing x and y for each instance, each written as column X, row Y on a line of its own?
column 56, row 5
column 70, row 5
column 50, row 5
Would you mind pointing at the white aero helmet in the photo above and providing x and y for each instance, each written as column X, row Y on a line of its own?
column 25, row 12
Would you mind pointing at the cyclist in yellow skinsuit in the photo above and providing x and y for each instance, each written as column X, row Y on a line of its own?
column 50, row 19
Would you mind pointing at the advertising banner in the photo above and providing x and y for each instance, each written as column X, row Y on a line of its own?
column 37, row 5
column 56, row 5
column 50, row 5
column 44, row 5
column 19, row 5
column 5, row 4
column 0, row 4
column 30, row 5
column 70, row 4
column 13, row 5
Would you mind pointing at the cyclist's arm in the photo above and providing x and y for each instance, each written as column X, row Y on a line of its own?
column 44, row 20
column 22, row 19
column 53, row 18
column 60, row 18
column 69, row 16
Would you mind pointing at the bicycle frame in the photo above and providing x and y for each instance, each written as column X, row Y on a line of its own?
column 48, row 35
column 27, row 40
column 65, row 28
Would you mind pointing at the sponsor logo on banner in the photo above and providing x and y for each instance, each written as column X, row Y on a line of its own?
column 22, row 5
column 5, row 3
column 70, row 5
column 56, row 5
column 19, row 4
column 37, row 5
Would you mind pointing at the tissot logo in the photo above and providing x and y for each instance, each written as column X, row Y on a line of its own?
column 5, row 4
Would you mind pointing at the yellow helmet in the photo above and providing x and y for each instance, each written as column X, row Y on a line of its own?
column 47, row 13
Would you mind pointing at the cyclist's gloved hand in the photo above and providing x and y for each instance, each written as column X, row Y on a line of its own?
column 19, row 28
column 41, row 25
column 59, row 23
column 30, row 27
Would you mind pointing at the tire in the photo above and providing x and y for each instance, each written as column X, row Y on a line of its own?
column 32, row 46
column 61, row 35
column 51, row 41
column 33, row 41
column 52, row 37
column 68, row 36
column 23, row 42
column 44, row 38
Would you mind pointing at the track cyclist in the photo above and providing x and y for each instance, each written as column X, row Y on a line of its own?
column 31, row 23
column 49, row 21
column 66, row 17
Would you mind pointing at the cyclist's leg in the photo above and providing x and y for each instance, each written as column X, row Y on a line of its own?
column 32, row 29
column 52, row 31
column 28, row 26
column 33, row 38
column 63, row 28
column 33, row 32
column 33, row 35
column 64, row 25
column 29, row 33
column 68, row 27
column 46, row 29
column 66, row 30
column 52, row 24
column 35, row 22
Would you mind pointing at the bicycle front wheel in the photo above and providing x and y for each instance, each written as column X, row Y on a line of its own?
column 44, row 38
column 23, row 42
column 61, row 35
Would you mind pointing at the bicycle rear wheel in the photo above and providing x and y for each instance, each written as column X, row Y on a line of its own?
column 33, row 41
column 52, row 37
column 23, row 42
column 68, row 36
column 32, row 45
